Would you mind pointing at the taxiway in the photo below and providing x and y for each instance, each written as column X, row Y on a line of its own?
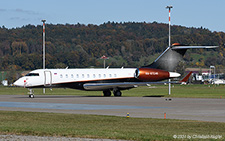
column 144, row 107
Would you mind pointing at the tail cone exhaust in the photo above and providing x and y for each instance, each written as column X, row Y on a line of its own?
column 174, row 74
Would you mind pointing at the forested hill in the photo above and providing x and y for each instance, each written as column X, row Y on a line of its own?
column 127, row 44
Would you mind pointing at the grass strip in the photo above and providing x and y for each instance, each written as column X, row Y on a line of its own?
column 185, row 91
column 107, row 127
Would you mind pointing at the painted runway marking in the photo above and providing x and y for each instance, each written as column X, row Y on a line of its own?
column 70, row 106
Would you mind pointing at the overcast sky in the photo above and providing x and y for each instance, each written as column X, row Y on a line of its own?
column 191, row 13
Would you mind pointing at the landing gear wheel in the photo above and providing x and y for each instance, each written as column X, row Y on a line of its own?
column 107, row 93
column 31, row 96
column 117, row 93
column 31, row 93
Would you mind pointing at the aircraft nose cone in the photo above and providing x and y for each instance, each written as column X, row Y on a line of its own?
column 16, row 83
column 19, row 83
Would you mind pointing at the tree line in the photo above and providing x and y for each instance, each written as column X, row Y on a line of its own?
column 128, row 44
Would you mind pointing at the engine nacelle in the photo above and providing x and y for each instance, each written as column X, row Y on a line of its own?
column 150, row 74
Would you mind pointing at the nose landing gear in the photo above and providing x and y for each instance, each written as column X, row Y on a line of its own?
column 31, row 93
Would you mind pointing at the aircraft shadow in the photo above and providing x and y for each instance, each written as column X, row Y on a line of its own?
column 77, row 96
column 57, row 96
column 154, row 96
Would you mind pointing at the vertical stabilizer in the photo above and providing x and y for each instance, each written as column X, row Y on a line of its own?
column 171, row 57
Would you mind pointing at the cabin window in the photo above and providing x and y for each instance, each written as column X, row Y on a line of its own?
column 93, row 75
column 114, row 75
column 104, row 76
column 110, row 75
column 88, row 75
column 71, row 75
column 32, row 74
column 99, row 75
column 82, row 75
column 66, row 75
column 61, row 76
column 77, row 75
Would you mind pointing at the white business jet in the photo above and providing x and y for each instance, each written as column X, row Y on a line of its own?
column 109, row 79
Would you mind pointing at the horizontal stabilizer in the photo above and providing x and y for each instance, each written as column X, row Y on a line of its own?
column 193, row 47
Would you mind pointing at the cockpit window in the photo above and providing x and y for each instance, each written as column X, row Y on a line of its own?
column 32, row 74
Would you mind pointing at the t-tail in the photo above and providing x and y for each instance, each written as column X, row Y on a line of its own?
column 171, row 57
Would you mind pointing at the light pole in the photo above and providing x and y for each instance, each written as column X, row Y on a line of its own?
column 43, row 47
column 104, row 58
column 169, row 7
column 43, row 43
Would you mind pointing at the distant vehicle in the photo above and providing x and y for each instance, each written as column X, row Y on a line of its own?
column 108, row 79
column 218, row 81
column 5, row 82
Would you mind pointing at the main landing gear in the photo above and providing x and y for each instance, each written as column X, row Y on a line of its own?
column 107, row 93
column 116, row 93
column 31, row 93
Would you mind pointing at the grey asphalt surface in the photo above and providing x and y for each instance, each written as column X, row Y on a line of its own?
column 144, row 107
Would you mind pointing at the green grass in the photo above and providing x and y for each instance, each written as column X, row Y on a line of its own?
column 92, row 126
column 199, row 91
column 112, row 127
column 187, row 91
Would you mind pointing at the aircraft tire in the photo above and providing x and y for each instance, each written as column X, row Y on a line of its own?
column 117, row 93
column 107, row 93
column 31, row 96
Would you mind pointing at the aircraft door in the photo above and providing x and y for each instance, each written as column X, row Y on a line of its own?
column 47, row 78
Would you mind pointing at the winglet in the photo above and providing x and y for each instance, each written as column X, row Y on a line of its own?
column 185, row 79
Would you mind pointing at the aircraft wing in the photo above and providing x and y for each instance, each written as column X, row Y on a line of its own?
column 120, row 85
